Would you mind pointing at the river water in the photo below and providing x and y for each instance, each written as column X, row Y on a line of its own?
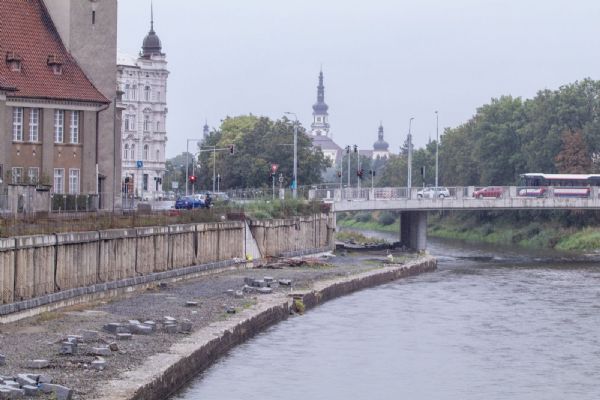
column 491, row 323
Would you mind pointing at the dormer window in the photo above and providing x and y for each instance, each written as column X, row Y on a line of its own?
column 56, row 64
column 14, row 61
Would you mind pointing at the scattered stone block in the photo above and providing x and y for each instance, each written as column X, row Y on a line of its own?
column 61, row 392
column 168, row 319
column 99, row 364
column 89, row 335
column 124, row 329
column 30, row 390
column 163, row 285
column 170, row 328
column 113, row 346
column 112, row 327
column 142, row 329
column 42, row 378
column 4, row 393
column 259, row 283
column 265, row 290
column 285, row 282
column 248, row 289
column 68, row 348
column 132, row 322
column 100, row 351
column 231, row 310
column 124, row 336
column 24, row 379
column 2, row 359
column 248, row 281
column 9, row 383
column 151, row 324
column 38, row 364
column 268, row 279
column 185, row 326
column 230, row 292
column 13, row 393
column 239, row 294
column 75, row 339
column 191, row 304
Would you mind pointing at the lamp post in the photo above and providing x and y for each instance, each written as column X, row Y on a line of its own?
column 409, row 139
column 295, row 181
column 437, row 147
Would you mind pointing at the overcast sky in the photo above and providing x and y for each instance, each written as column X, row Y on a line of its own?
column 383, row 60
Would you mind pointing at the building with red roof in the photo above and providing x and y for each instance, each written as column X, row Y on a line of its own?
column 57, row 97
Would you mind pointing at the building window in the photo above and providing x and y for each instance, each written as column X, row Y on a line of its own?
column 146, row 123
column 146, row 152
column 127, row 91
column 126, row 122
column 157, row 155
column 147, row 93
column 134, row 92
column 74, row 126
column 93, row 17
column 59, row 126
column 18, row 124
column 126, row 152
column 157, row 126
column 73, row 181
column 59, row 181
column 34, row 125
column 33, row 175
column 145, row 182
column 133, row 151
column 17, row 175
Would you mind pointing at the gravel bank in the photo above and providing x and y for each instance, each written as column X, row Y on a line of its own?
column 40, row 337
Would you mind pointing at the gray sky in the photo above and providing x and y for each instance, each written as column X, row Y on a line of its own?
column 382, row 59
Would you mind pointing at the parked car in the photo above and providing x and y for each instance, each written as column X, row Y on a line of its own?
column 488, row 191
column 431, row 192
column 189, row 202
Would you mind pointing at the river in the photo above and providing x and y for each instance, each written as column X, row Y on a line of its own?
column 491, row 323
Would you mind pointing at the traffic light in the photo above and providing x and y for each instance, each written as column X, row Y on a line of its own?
column 192, row 179
column 360, row 173
column 355, row 149
column 347, row 149
column 339, row 174
column 372, row 172
column 232, row 149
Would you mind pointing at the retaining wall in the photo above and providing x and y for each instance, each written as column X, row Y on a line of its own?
column 276, row 237
column 36, row 270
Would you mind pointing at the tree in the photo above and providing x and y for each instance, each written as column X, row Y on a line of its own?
column 574, row 157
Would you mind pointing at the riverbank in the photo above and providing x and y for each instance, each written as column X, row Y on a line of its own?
column 526, row 234
column 203, row 303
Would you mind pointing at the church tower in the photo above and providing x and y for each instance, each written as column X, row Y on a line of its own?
column 380, row 147
column 320, row 125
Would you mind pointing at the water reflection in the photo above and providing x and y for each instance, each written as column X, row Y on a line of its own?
column 492, row 323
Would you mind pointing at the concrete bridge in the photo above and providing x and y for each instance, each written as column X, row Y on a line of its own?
column 414, row 203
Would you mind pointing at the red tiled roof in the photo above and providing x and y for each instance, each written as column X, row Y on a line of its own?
column 27, row 30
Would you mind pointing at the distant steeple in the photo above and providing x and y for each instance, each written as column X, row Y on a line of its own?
column 320, row 125
column 380, row 144
column 205, row 129
column 151, row 44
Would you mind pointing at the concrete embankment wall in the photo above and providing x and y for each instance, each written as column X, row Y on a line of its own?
column 44, row 269
column 165, row 373
column 289, row 236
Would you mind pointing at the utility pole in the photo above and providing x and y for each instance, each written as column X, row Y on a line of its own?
column 409, row 180
column 348, row 156
column 437, row 148
column 187, row 163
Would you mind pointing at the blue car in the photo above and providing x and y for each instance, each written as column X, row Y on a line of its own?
column 189, row 202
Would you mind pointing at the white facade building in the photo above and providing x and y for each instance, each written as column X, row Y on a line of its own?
column 143, row 81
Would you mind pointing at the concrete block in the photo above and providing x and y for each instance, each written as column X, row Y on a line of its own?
column 4, row 393
column 123, row 336
column 89, row 335
column 112, row 327
column 68, row 348
column 100, row 351
column 231, row 310
column 142, row 329
column 30, row 390
column 170, row 328
column 239, row 294
column 285, row 282
column 185, row 326
column 259, row 283
column 124, row 329
column 11, row 384
column 38, row 364
column 268, row 279
column 24, row 379
column 230, row 292
column 42, row 378
column 191, row 304
column 61, row 392
column 113, row 346
column 75, row 339
column 265, row 290
column 151, row 324
column 168, row 319
column 248, row 281
column 99, row 364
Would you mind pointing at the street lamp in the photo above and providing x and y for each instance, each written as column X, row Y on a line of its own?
column 437, row 147
column 295, row 181
column 187, row 162
column 409, row 139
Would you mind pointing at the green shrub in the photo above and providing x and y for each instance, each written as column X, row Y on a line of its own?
column 386, row 218
column 363, row 217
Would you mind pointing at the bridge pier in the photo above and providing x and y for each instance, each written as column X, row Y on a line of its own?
column 413, row 229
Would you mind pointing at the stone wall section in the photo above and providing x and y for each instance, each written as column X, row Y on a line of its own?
column 42, row 269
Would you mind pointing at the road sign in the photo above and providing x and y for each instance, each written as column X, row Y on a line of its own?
column 139, row 164
column 280, row 178
column 175, row 185
column 274, row 168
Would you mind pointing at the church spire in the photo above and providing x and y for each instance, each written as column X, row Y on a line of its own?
column 151, row 44
column 320, row 125
column 151, row 16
